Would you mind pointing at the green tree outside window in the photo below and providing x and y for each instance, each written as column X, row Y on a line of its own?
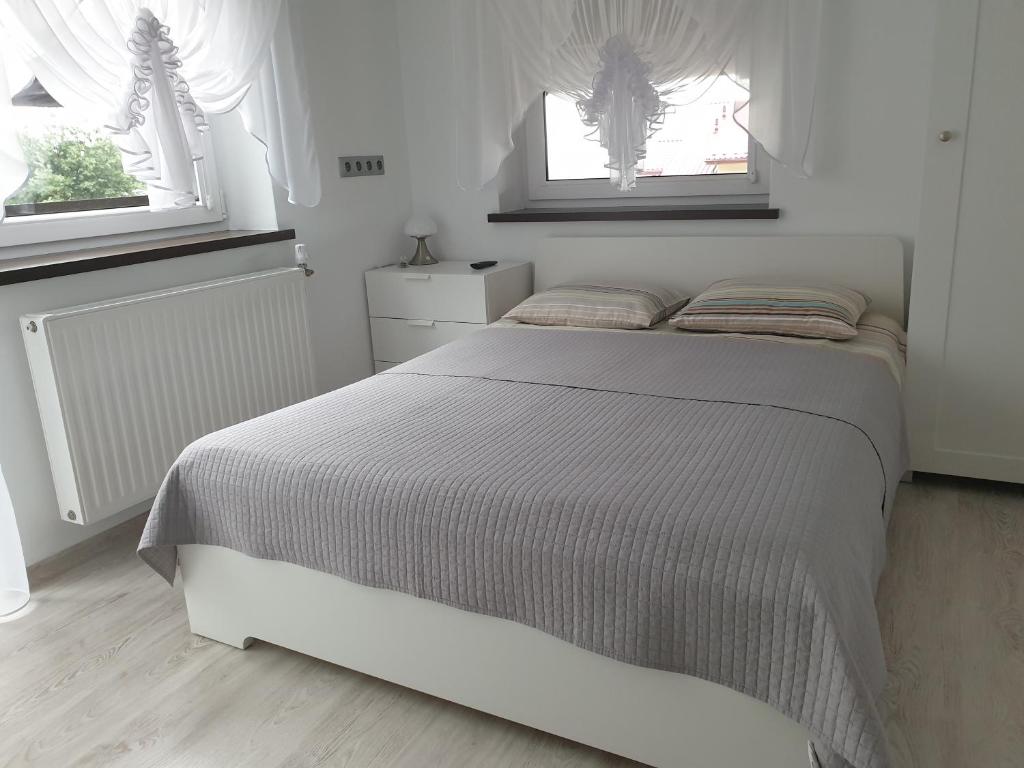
column 73, row 164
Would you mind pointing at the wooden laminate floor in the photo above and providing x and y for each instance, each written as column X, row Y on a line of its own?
column 102, row 670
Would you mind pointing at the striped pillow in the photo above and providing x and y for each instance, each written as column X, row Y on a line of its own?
column 789, row 309
column 593, row 305
column 884, row 338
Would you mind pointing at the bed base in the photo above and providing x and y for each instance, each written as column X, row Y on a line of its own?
column 496, row 666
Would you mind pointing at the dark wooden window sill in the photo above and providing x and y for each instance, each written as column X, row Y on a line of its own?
column 64, row 263
column 637, row 213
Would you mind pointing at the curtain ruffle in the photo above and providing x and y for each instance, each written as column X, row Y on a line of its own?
column 624, row 108
column 158, row 126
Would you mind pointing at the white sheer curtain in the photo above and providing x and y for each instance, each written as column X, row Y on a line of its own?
column 624, row 62
column 276, row 111
column 13, row 577
column 13, row 169
column 154, row 68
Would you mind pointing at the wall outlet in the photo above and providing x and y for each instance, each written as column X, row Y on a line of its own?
column 361, row 165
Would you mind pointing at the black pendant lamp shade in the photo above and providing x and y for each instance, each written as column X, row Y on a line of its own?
column 34, row 95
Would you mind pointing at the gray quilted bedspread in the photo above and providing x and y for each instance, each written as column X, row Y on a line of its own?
column 696, row 504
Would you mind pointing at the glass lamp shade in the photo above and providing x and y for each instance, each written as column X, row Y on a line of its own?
column 420, row 226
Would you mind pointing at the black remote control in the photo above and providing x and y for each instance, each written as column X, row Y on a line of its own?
column 482, row 264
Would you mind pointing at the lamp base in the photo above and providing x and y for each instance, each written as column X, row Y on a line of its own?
column 423, row 257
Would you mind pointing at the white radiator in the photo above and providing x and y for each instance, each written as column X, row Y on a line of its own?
column 124, row 385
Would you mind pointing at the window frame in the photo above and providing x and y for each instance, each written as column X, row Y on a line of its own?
column 723, row 188
column 107, row 222
column 77, row 206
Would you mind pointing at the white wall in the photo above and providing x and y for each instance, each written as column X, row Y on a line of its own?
column 352, row 57
column 871, row 128
column 244, row 179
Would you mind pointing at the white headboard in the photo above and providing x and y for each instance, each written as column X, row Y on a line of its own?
column 872, row 265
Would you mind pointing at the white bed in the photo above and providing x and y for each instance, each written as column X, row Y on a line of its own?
column 510, row 670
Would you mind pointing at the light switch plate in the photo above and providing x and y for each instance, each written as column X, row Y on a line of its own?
column 361, row 165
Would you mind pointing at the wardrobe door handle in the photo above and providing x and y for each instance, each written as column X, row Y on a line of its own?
column 421, row 323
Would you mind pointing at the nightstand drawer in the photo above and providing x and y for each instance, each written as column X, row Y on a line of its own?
column 424, row 295
column 396, row 341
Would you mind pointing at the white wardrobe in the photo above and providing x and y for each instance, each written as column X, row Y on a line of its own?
column 965, row 387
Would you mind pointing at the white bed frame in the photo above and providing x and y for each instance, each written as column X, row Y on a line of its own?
column 510, row 670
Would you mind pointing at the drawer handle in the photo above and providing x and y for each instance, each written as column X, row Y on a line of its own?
column 421, row 323
column 416, row 276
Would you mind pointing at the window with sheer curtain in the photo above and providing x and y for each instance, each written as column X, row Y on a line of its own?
column 632, row 69
column 72, row 165
column 699, row 150
column 104, row 105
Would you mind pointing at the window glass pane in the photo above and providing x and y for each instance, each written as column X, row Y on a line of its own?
column 696, row 139
column 69, row 158
column 69, row 155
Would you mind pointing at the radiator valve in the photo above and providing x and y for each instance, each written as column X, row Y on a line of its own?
column 301, row 261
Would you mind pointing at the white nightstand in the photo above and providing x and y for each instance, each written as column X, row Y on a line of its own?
column 417, row 309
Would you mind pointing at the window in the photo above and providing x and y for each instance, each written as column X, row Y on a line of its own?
column 73, row 166
column 698, row 151
column 77, row 186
